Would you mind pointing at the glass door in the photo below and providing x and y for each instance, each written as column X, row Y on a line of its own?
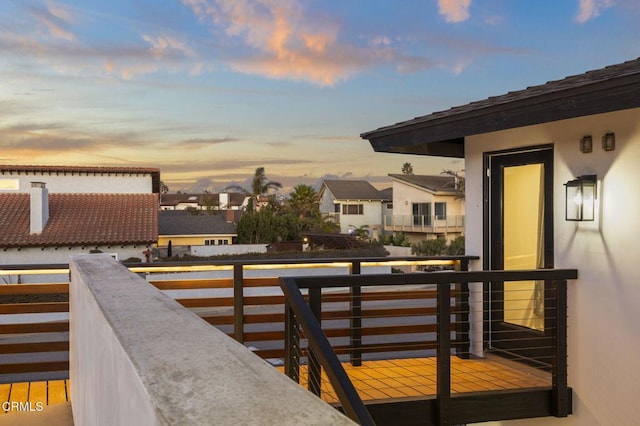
column 520, row 230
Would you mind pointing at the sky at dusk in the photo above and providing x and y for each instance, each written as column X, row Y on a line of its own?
column 208, row 90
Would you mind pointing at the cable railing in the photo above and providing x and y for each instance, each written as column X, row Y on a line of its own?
column 338, row 327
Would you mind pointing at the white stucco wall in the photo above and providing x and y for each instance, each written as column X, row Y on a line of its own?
column 83, row 183
column 139, row 358
column 604, row 341
column 51, row 255
column 405, row 195
column 373, row 213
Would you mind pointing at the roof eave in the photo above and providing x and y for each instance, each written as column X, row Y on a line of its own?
column 444, row 136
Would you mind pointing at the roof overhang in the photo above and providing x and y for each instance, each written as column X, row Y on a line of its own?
column 442, row 134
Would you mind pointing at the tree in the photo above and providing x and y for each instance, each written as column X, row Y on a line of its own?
column 407, row 169
column 303, row 201
column 458, row 181
column 259, row 186
column 431, row 247
column 163, row 188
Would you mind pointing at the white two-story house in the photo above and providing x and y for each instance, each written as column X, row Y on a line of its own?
column 426, row 207
column 354, row 204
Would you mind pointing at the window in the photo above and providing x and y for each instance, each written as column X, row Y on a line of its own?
column 441, row 211
column 421, row 214
column 223, row 242
column 209, row 242
column 336, row 208
column 352, row 209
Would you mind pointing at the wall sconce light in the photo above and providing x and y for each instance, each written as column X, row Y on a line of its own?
column 609, row 141
column 586, row 144
column 581, row 194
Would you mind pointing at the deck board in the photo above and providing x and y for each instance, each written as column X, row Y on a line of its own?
column 57, row 392
column 45, row 393
column 416, row 377
column 38, row 393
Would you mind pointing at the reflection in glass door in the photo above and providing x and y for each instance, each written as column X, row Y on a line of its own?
column 523, row 243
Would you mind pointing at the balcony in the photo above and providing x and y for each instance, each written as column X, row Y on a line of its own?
column 451, row 224
column 376, row 331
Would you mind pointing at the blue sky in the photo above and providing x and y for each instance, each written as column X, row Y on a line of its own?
column 208, row 90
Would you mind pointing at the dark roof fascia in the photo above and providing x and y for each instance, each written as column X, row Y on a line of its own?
column 442, row 134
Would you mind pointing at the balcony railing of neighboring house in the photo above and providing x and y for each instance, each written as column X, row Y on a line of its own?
column 241, row 298
column 527, row 379
column 425, row 224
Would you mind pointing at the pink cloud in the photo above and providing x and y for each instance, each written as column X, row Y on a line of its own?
column 56, row 19
column 454, row 10
column 590, row 9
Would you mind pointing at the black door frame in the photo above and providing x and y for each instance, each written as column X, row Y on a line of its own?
column 493, row 258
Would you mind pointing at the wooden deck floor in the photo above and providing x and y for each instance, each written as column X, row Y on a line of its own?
column 416, row 377
column 34, row 393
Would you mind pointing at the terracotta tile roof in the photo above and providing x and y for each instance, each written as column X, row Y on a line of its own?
column 78, row 169
column 81, row 219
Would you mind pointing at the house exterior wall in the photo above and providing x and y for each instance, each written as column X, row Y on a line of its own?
column 191, row 240
column 372, row 213
column 603, row 339
column 405, row 195
column 85, row 183
column 61, row 255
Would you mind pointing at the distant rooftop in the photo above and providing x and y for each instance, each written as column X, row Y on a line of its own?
column 181, row 222
column 433, row 183
column 353, row 190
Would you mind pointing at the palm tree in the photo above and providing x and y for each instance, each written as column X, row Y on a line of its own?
column 303, row 200
column 259, row 186
column 407, row 169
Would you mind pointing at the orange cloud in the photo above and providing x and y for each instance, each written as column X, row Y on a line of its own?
column 289, row 44
column 454, row 10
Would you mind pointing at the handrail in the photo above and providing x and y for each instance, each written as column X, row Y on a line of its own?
column 307, row 316
column 351, row 402
column 417, row 260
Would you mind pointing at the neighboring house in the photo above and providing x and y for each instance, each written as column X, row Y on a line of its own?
column 48, row 213
column 81, row 180
column 222, row 201
column 426, row 207
column 353, row 204
column 531, row 157
column 184, row 229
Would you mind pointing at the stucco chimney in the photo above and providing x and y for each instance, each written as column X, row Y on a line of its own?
column 39, row 207
column 223, row 201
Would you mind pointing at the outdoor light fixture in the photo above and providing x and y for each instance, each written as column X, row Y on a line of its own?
column 586, row 144
column 581, row 194
column 609, row 141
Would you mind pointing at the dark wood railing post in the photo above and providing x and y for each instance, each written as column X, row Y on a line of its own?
column 443, row 379
column 355, row 321
column 560, row 390
column 462, row 342
column 314, row 370
column 292, row 344
column 238, row 302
